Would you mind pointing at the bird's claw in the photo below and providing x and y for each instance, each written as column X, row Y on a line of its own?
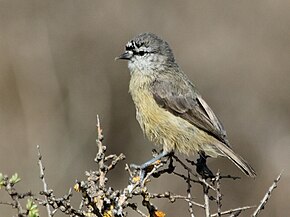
column 142, row 171
column 136, row 167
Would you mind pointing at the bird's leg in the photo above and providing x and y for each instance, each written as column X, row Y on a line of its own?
column 145, row 165
column 201, row 167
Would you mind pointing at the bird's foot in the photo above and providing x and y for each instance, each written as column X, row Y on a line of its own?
column 144, row 169
column 148, row 166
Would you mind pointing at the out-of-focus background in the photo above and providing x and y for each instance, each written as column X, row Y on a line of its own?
column 57, row 72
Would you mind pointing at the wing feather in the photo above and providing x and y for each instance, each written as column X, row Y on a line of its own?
column 184, row 101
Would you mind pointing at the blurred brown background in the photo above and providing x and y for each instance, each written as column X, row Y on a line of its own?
column 57, row 72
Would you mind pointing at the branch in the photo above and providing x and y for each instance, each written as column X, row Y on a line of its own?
column 189, row 196
column 206, row 200
column 41, row 170
column 172, row 197
column 231, row 211
column 267, row 196
column 218, row 194
column 98, row 199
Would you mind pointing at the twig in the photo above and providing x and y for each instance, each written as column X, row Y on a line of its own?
column 100, row 159
column 7, row 203
column 127, row 168
column 135, row 208
column 188, row 200
column 235, row 214
column 190, row 170
column 41, row 169
column 206, row 200
column 169, row 170
column 155, row 168
column 99, row 200
column 189, row 195
column 115, row 160
column 230, row 177
column 231, row 211
column 172, row 197
column 185, row 178
column 146, row 202
column 218, row 194
column 267, row 196
column 101, row 153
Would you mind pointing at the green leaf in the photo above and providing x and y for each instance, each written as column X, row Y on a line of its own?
column 1, row 180
column 14, row 179
column 32, row 208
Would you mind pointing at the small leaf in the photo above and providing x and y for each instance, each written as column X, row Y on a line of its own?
column 1, row 180
column 29, row 204
column 32, row 208
column 14, row 179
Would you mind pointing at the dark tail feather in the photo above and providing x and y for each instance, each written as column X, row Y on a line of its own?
column 236, row 159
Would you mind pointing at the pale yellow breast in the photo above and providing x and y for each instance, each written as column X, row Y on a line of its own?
column 161, row 126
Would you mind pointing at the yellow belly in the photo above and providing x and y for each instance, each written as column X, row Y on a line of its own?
column 164, row 128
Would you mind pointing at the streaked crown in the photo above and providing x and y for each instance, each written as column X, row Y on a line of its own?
column 147, row 51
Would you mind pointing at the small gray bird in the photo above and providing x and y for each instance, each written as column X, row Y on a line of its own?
column 169, row 108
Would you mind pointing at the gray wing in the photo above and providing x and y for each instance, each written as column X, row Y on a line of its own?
column 184, row 101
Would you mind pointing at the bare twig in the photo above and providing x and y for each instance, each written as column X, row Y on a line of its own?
column 218, row 194
column 195, row 175
column 206, row 200
column 155, row 168
column 134, row 207
column 81, row 204
column 185, row 178
column 189, row 196
column 267, row 196
column 100, row 159
column 115, row 160
column 231, row 211
column 99, row 199
column 101, row 153
column 41, row 170
column 172, row 197
column 235, row 214
column 7, row 203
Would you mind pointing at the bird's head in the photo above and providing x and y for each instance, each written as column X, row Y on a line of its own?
column 147, row 52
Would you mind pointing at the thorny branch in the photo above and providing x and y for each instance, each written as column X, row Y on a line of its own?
column 218, row 194
column 267, row 196
column 206, row 200
column 99, row 199
column 233, row 211
column 190, row 204
column 41, row 168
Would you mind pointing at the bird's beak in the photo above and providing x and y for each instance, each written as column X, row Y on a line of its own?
column 125, row 56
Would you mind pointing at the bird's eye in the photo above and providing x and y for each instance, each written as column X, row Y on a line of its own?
column 141, row 53
column 129, row 47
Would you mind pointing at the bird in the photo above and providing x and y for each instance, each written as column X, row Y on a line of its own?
column 170, row 110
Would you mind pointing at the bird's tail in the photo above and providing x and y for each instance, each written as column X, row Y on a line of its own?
column 236, row 159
